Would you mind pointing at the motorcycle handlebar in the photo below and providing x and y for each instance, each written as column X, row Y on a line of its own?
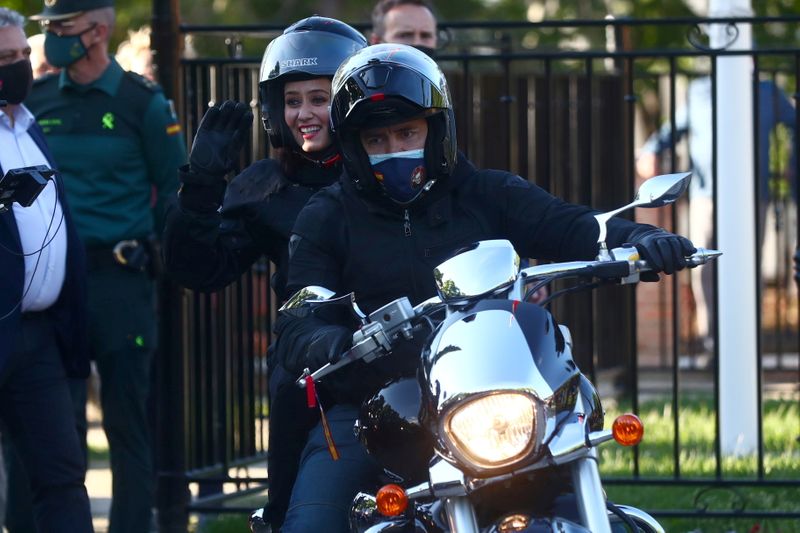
column 625, row 263
column 373, row 340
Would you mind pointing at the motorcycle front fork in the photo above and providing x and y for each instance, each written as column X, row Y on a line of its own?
column 589, row 493
column 461, row 515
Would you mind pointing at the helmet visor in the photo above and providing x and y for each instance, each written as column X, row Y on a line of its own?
column 384, row 94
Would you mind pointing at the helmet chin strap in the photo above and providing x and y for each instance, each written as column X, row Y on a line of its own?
column 420, row 195
column 325, row 158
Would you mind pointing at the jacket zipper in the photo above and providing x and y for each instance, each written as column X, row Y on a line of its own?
column 410, row 247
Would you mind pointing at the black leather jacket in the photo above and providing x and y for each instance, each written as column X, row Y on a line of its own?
column 346, row 241
column 208, row 251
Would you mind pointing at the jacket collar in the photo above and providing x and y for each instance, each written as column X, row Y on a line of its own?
column 108, row 82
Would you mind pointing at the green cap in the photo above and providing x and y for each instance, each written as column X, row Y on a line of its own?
column 64, row 9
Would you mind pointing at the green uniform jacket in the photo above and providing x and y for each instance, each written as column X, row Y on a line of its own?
column 118, row 145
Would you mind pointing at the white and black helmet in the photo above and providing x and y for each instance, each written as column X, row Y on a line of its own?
column 385, row 84
column 310, row 48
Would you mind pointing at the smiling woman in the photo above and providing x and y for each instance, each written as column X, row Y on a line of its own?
column 306, row 113
column 222, row 228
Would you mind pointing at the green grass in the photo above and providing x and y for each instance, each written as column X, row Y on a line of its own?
column 781, row 426
column 98, row 454
column 233, row 523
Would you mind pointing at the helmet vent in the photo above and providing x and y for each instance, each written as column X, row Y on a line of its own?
column 375, row 77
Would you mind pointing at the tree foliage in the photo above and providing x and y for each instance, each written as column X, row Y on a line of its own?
column 134, row 13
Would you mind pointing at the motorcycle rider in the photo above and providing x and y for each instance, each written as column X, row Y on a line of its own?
column 207, row 248
column 407, row 200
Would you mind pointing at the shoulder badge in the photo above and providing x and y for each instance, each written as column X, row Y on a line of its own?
column 173, row 128
column 149, row 84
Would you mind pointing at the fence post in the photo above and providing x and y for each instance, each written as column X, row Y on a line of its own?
column 172, row 491
column 167, row 45
column 734, row 189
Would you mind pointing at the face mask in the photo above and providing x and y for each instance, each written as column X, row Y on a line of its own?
column 427, row 50
column 63, row 50
column 15, row 81
column 402, row 174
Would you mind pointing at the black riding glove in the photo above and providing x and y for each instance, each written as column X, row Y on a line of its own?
column 327, row 345
column 663, row 251
column 215, row 149
column 220, row 138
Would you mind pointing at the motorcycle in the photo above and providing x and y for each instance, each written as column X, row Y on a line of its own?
column 498, row 431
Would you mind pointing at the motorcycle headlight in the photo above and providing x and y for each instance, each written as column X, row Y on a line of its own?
column 493, row 431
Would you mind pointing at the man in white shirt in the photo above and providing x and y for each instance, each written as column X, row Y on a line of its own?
column 42, row 310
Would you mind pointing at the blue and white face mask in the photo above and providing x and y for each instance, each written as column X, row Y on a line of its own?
column 402, row 174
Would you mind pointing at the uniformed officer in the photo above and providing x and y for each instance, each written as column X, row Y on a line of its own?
column 115, row 140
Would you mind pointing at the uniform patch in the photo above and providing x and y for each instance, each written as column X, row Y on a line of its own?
column 47, row 124
column 173, row 129
column 108, row 121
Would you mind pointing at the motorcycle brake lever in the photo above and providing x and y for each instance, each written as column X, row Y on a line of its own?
column 371, row 342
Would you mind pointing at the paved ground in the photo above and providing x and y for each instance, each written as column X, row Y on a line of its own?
column 98, row 477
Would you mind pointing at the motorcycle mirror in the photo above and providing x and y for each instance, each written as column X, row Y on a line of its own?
column 496, row 260
column 312, row 297
column 313, row 294
column 658, row 191
column 662, row 190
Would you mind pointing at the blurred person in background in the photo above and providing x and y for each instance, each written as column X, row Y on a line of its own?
column 38, row 60
column 134, row 54
column 694, row 122
column 409, row 22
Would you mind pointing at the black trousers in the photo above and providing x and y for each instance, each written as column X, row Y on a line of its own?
column 38, row 420
column 290, row 421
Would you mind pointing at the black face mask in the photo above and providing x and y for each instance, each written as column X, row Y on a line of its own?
column 428, row 51
column 16, row 80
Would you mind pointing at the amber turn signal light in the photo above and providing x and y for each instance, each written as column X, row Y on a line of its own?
column 628, row 430
column 392, row 500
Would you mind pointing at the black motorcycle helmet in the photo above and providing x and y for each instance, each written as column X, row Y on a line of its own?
column 310, row 48
column 386, row 84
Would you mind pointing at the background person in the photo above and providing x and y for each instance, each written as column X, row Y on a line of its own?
column 115, row 140
column 134, row 54
column 409, row 22
column 406, row 201
column 694, row 121
column 207, row 248
column 38, row 60
column 42, row 311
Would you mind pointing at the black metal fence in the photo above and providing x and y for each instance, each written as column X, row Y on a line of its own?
column 566, row 105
